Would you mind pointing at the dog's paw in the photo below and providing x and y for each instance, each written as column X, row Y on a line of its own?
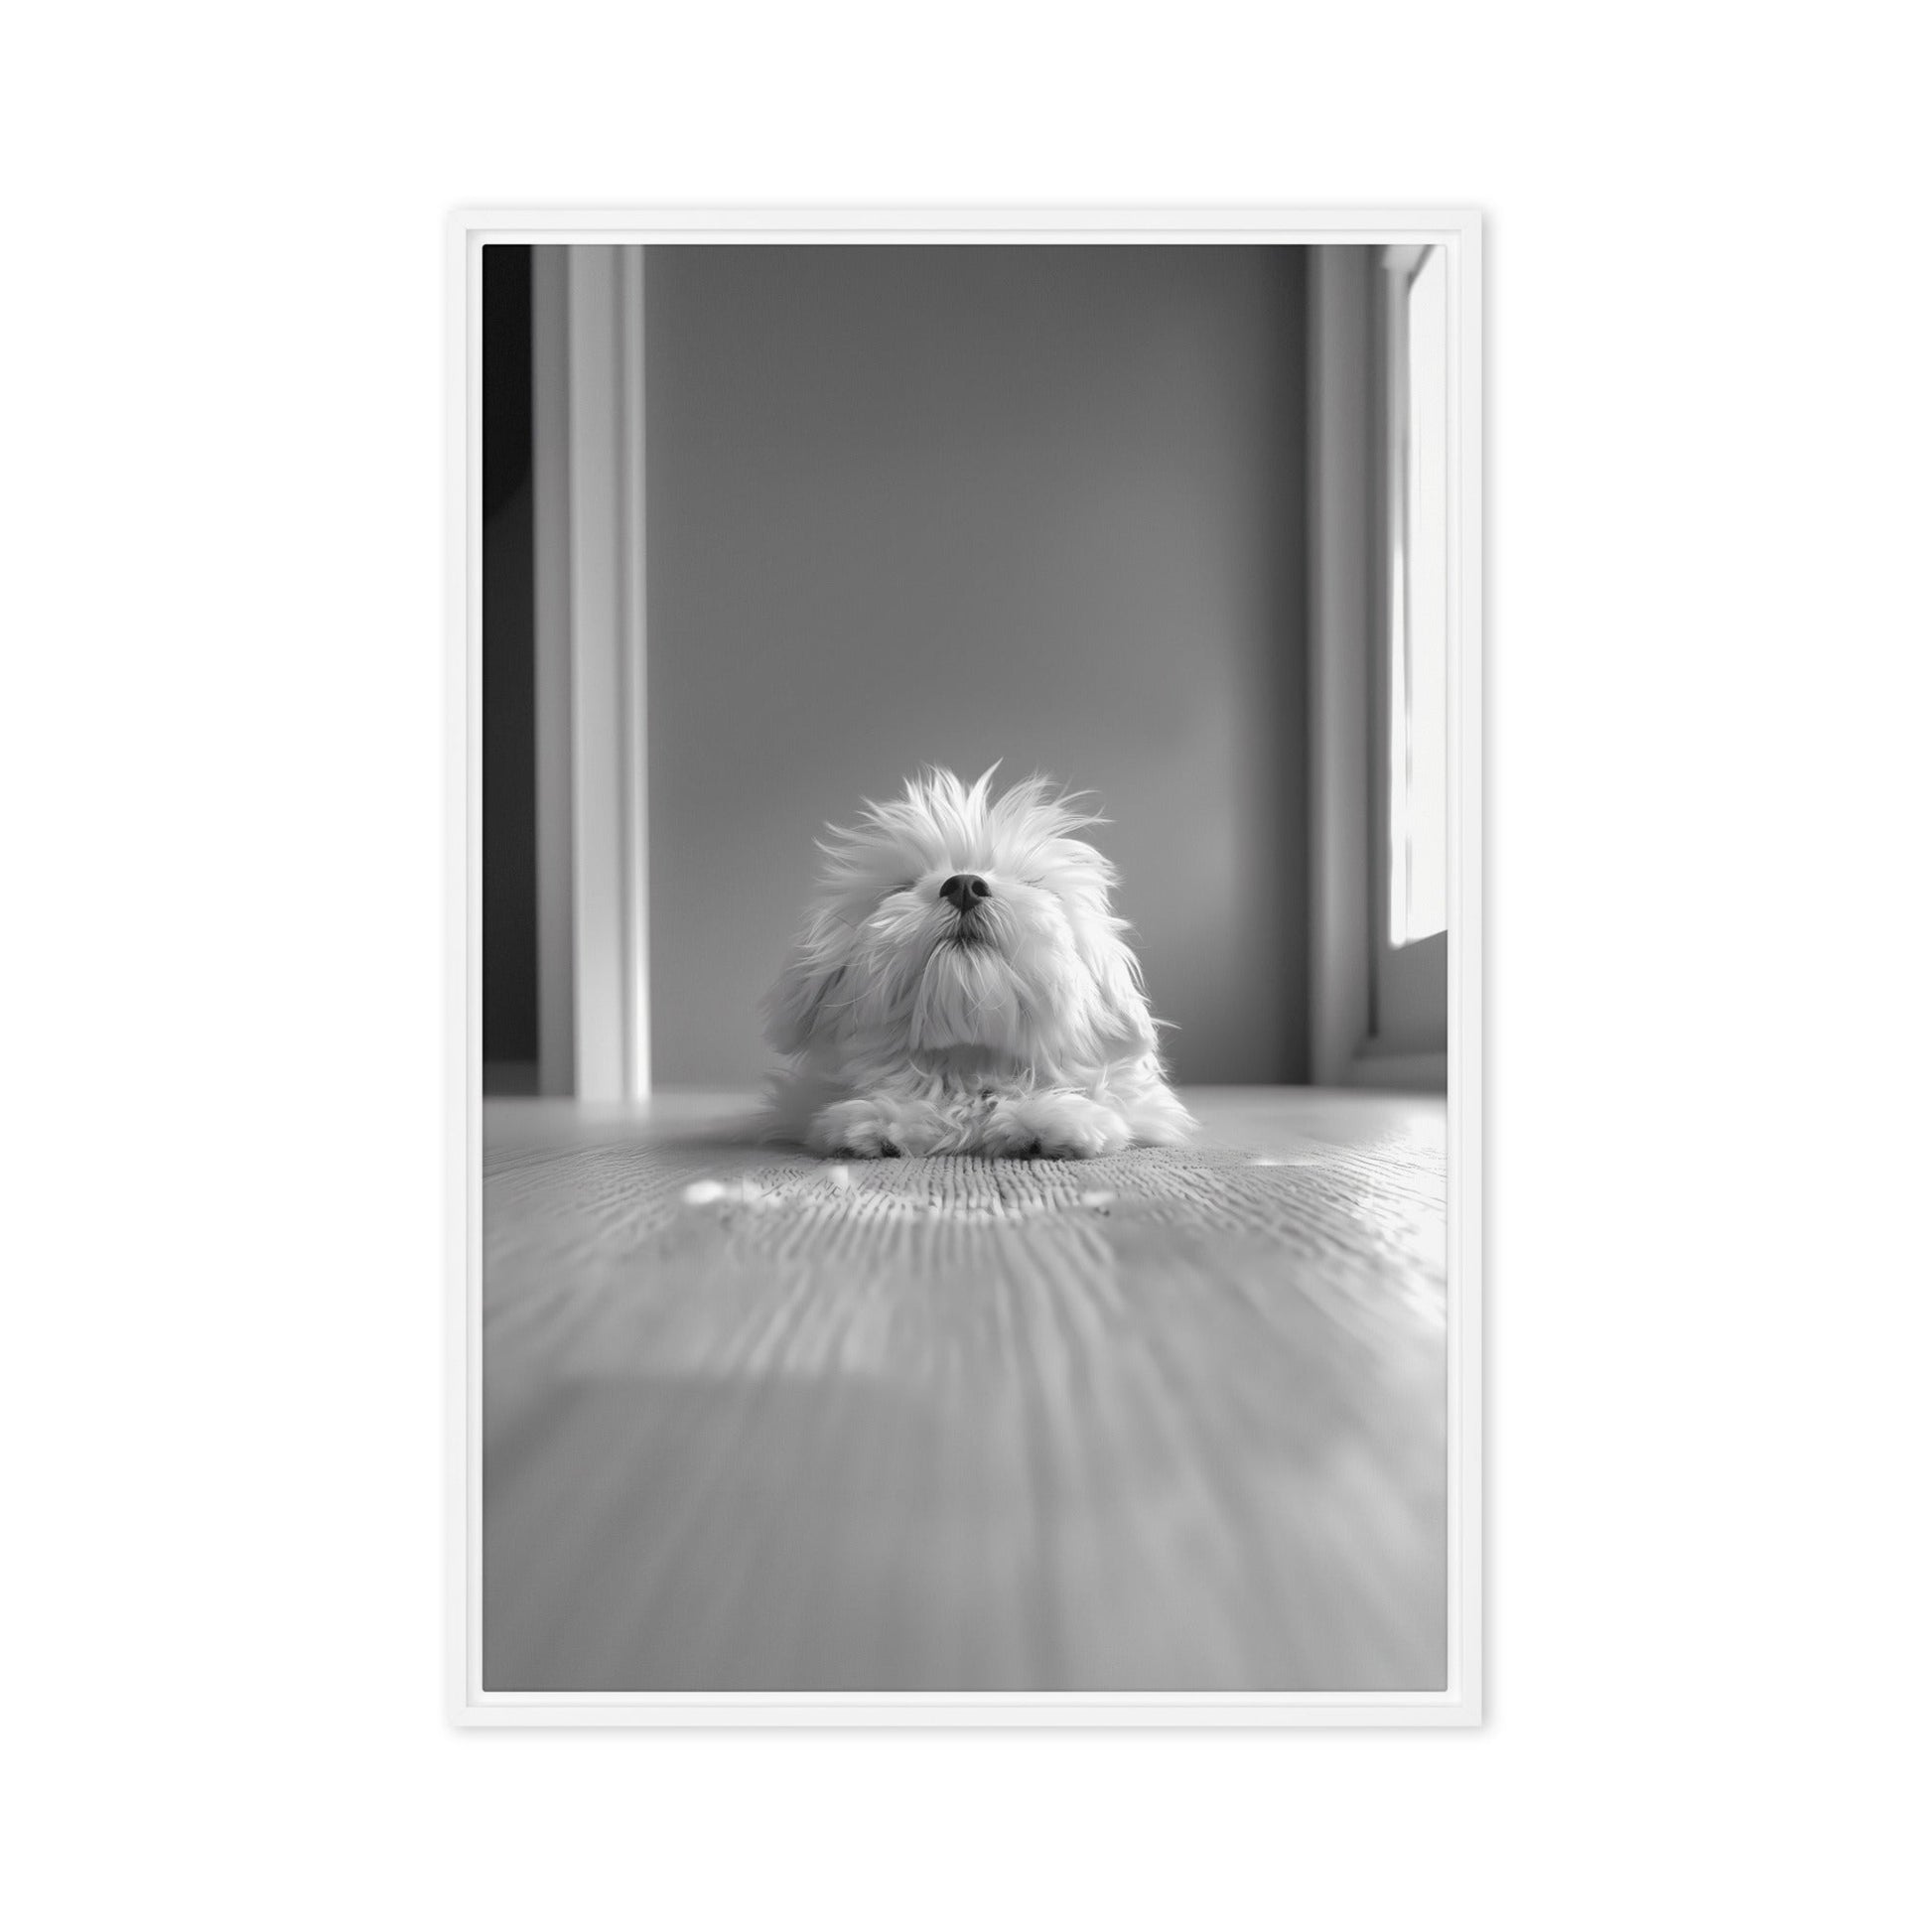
column 852, row 1130
column 1053, row 1127
column 871, row 1128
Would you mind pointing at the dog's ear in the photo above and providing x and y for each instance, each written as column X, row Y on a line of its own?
column 796, row 1007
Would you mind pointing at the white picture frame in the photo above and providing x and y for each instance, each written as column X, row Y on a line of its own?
column 1459, row 233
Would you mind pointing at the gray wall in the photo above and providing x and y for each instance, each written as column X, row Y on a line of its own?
column 953, row 504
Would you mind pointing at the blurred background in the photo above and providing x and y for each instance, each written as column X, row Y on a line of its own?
column 765, row 529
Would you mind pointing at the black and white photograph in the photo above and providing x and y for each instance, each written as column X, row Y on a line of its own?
column 969, row 794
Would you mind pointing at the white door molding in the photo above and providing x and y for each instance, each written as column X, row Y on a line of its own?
column 593, row 959
column 1409, row 981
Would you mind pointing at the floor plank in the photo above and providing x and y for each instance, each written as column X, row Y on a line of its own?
column 1167, row 1421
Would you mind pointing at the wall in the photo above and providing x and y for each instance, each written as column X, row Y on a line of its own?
column 957, row 504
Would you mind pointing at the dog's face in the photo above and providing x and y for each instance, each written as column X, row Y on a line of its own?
column 950, row 922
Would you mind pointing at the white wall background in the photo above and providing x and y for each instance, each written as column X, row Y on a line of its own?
column 1709, row 694
column 959, row 506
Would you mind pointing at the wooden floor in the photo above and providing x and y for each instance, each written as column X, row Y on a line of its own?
column 1171, row 1421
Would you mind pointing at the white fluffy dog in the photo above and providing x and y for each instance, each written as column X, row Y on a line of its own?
column 961, row 987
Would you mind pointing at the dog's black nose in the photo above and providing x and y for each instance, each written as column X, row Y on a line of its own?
column 965, row 889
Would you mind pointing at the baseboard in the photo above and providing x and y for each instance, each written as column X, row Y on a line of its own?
column 1399, row 1073
column 509, row 1078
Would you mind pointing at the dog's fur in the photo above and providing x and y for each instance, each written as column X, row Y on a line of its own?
column 1016, row 1026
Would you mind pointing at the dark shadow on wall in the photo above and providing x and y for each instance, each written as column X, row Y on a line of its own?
column 509, row 881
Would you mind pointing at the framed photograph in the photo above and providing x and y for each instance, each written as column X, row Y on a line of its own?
column 966, row 978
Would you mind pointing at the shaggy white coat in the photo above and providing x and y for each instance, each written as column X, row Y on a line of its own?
column 1017, row 1028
